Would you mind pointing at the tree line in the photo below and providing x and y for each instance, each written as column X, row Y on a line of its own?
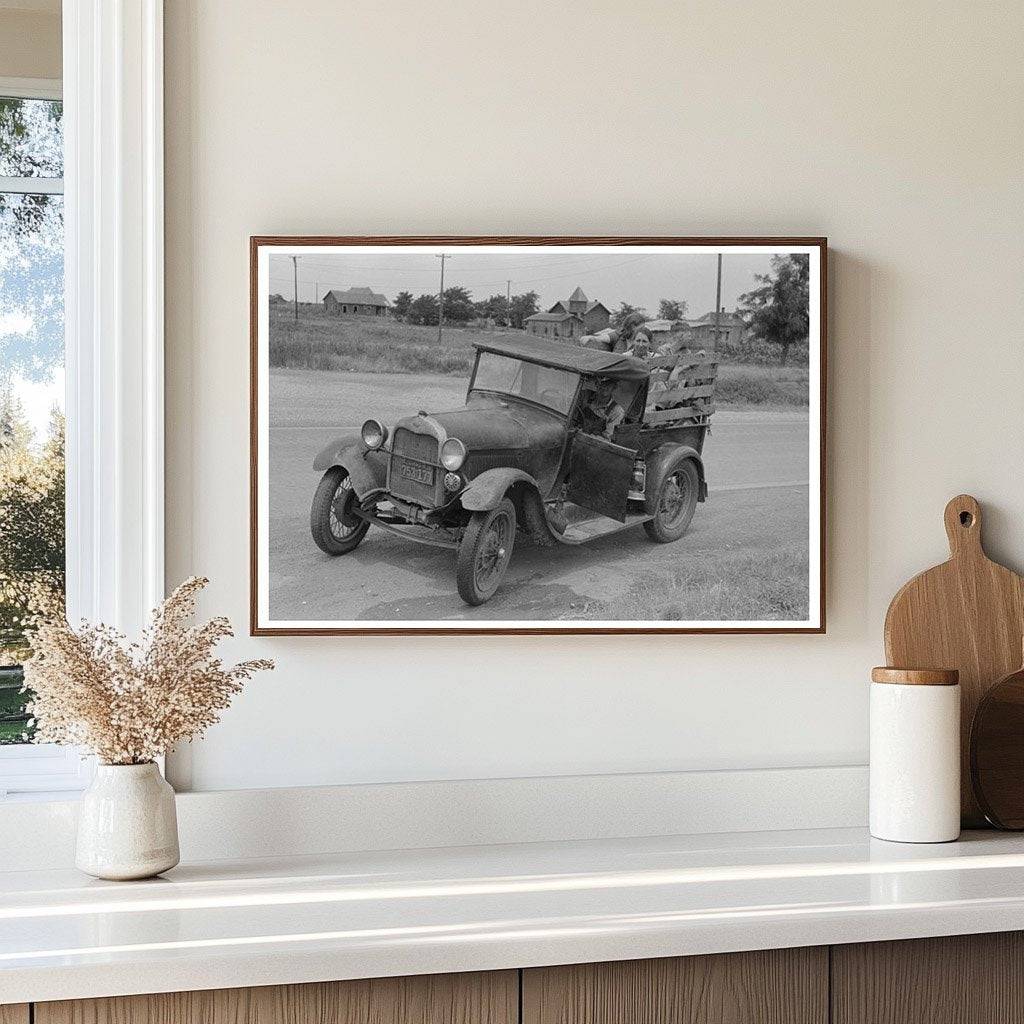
column 459, row 308
column 777, row 311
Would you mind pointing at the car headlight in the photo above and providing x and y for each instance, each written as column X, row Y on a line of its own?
column 374, row 434
column 453, row 454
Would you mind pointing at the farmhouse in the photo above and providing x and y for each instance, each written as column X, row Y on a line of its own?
column 364, row 301
column 563, row 326
column 593, row 314
column 731, row 329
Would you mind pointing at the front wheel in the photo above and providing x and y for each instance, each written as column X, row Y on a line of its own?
column 336, row 530
column 675, row 502
column 485, row 552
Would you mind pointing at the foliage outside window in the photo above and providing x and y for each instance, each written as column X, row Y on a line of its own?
column 31, row 386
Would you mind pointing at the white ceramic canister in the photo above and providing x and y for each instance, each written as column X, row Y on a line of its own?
column 915, row 755
column 127, row 825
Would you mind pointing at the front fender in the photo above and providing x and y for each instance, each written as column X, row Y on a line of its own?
column 367, row 470
column 486, row 491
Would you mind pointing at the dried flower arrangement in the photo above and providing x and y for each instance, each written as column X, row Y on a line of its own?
column 129, row 703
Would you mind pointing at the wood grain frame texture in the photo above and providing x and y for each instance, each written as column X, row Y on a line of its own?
column 714, row 242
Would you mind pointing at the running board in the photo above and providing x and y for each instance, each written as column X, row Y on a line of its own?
column 585, row 530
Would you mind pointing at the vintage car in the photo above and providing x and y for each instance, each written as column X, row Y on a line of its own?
column 527, row 452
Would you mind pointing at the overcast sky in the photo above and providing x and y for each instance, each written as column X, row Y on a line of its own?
column 635, row 278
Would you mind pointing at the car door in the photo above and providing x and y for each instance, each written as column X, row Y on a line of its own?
column 599, row 475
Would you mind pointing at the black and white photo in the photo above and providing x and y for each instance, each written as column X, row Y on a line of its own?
column 537, row 435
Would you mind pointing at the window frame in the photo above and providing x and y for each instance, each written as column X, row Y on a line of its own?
column 112, row 90
column 31, row 89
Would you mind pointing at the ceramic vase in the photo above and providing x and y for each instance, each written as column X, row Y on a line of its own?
column 127, row 825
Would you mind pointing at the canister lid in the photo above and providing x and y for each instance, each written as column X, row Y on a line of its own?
column 916, row 676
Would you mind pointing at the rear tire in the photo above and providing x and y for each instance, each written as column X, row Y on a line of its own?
column 485, row 553
column 336, row 531
column 675, row 501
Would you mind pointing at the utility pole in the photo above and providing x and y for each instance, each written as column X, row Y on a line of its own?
column 316, row 292
column 440, row 302
column 718, row 301
column 508, row 302
column 295, row 269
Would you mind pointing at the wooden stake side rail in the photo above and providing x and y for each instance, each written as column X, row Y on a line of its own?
column 677, row 394
column 691, row 384
column 659, row 417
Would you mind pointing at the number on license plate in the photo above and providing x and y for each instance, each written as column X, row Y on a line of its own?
column 421, row 474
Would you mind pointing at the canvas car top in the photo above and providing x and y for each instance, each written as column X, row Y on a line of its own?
column 614, row 365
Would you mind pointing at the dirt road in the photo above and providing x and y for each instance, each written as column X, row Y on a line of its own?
column 757, row 468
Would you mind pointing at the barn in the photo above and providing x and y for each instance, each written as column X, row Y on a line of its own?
column 561, row 326
column 362, row 301
column 730, row 329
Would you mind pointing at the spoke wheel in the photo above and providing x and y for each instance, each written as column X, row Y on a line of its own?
column 485, row 553
column 336, row 530
column 676, row 502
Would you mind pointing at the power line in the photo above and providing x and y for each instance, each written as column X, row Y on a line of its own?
column 295, row 268
column 440, row 302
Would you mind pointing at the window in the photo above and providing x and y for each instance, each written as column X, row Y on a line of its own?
column 544, row 385
column 31, row 383
column 112, row 225
column 32, row 564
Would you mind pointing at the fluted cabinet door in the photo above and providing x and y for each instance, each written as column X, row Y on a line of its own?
column 961, row 979
column 490, row 998
column 777, row 986
column 14, row 1013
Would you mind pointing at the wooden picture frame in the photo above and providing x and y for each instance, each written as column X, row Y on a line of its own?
column 295, row 248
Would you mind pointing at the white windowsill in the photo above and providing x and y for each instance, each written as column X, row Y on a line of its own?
column 43, row 771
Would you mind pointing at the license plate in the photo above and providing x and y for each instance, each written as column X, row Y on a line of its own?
column 421, row 474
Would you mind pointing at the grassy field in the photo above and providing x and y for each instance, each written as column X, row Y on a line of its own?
column 321, row 342
column 740, row 587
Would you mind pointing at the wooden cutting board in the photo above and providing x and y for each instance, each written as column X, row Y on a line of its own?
column 967, row 614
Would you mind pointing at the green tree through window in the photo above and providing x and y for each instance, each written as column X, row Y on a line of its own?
column 31, row 376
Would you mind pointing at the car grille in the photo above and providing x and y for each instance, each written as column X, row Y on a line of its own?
column 414, row 472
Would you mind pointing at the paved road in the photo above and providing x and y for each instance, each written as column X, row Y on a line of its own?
column 757, row 467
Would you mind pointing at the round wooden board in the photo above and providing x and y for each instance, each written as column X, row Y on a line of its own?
column 997, row 752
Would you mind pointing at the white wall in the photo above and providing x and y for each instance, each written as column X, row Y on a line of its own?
column 895, row 129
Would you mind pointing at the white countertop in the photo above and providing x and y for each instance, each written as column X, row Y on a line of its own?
column 261, row 922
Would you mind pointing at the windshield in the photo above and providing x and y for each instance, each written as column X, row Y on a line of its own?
column 552, row 388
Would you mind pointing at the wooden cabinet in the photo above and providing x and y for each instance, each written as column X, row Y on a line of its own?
column 970, row 979
column 777, row 986
column 962, row 979
column 491, row 998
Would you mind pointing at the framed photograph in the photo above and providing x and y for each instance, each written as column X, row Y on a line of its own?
column 537, row 435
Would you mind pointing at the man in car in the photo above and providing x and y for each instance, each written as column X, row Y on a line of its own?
column 603, row 411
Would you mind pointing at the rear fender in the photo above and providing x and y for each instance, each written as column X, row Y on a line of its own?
column 661, row 456
column 486, row 491
column 367, row 470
